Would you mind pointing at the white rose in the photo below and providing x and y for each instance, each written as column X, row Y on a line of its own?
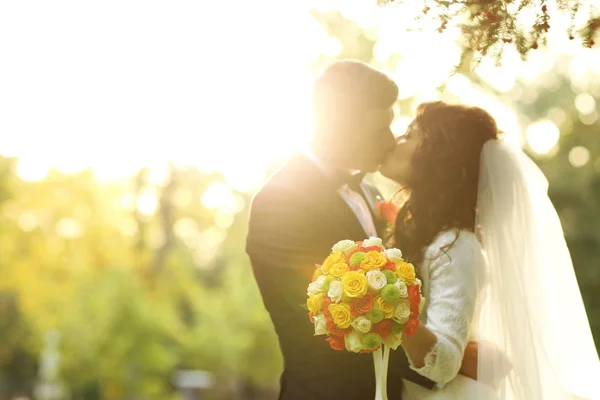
column 421, row 304
column 317, row 287
column 402, row 288
column 345, row 246
column 418, row 282
column 335, row 291
column 320, row 325
column 373, row 241
column 402, row 311
column 353, row 341
column 394, row 255
column 376, row 279
column 362, row 324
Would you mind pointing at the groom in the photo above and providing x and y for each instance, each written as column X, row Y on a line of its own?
column 315, row 200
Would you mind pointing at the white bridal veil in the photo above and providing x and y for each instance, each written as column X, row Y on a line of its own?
column 531, row 312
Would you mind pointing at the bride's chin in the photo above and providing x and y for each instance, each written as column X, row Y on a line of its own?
column 392, row 173
column 387, row 172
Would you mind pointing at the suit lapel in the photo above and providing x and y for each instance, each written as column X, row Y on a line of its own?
column 332, row 205
column 342, row 214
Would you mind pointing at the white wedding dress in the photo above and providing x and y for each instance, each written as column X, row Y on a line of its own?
column 449, row 276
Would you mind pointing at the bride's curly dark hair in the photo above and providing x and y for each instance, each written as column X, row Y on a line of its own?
column 441, row 189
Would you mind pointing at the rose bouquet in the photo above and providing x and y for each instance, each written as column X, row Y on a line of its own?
column 364, row 298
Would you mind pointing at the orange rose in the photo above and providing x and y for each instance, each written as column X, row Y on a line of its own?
column 362, row 305
column 414, row 296
column 389, row 265
column 337, row 342
column 369, row 248
column 410, row 327
column 325, row 306
column 383, row 328
column 388, row 210
column 335, row 330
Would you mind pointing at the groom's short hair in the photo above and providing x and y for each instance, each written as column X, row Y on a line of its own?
column 349, row 86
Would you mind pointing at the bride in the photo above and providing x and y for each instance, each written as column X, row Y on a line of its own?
column 495, row 268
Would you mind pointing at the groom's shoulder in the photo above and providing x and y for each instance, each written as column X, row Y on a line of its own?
column 290, row 180
column 284, row 186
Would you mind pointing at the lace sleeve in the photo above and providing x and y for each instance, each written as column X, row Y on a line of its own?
column 451, row 303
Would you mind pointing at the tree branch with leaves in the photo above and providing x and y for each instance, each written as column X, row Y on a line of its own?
column 489, row 25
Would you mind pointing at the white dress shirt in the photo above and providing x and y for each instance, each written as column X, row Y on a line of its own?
column 354, row 200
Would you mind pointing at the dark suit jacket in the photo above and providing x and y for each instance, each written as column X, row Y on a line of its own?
column 295, row 219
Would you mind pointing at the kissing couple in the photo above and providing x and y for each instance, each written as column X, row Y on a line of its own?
column 503, row 317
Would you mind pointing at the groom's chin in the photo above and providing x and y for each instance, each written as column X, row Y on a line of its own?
column 371, row 167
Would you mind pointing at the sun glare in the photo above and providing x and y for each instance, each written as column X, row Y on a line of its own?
column 217, row 195
column 579, row 156
column 154, row 82
column 542, row 136
column 147, row 203
column 31, row 170
column 144, row 84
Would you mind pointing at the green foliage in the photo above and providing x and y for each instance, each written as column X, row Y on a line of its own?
column 79, row 257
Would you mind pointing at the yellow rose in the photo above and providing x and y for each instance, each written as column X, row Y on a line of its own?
column 406, row 272
column 373, row 260
column 387, row 308
column 354, row 284
column 334, row 258
column 314, row 303
column 338, row 269
column 341, row 315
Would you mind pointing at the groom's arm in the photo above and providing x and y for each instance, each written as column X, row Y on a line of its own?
column 469, row 362
column 279, row 244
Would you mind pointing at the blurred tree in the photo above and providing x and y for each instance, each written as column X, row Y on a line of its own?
column 18, row 344
column 356, row 43
column 573, row 169
column 92, row 262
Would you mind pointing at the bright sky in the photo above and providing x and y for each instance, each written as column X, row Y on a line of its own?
column 118, row 85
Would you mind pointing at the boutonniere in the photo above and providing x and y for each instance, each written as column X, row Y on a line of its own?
column 387, row 211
